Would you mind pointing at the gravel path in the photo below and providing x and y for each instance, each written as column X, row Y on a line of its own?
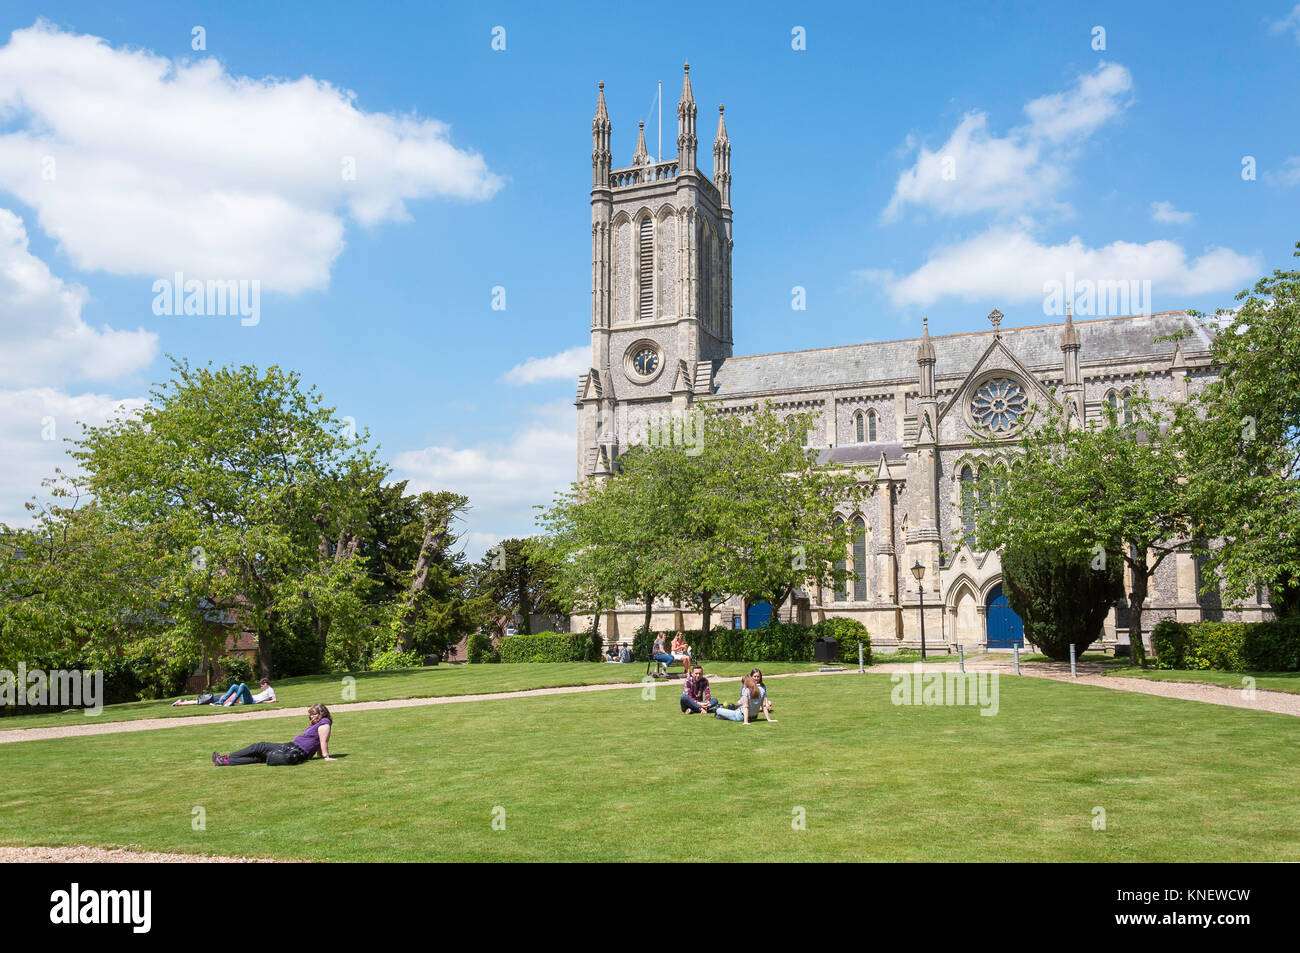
column 154, row 724
column 117, row 855
column 1284, row 703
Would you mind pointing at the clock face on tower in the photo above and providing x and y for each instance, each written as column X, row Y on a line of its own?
column 646, row 360
column 643, row 361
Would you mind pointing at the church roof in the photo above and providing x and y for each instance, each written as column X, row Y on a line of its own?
column 1103, row 339
column 862, row 453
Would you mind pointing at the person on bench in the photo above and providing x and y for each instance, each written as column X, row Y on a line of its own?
column 695, row 693
column 681, row 651
column 660, row 653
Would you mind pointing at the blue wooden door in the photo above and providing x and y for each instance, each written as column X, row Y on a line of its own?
column 1004, row 627
column 758, row 614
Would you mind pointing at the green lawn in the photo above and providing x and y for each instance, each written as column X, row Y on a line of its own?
column 1269, row 681
column 612, row 776
column 437, row 681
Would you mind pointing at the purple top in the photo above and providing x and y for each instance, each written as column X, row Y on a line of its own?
column 309, row 740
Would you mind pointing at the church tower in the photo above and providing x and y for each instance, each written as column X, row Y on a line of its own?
column 660, row 282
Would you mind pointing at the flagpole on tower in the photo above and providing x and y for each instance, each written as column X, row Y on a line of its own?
column 659, row 150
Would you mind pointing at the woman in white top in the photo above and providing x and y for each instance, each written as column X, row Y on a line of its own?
column 751, row 702
column 235, row 693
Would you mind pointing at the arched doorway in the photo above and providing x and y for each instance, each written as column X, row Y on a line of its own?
column 1005, row 630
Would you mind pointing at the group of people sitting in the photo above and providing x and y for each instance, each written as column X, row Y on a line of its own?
column 696, row 698
column 234, row 695
column 618, row 653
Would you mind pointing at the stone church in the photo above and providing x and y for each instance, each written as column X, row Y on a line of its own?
column 900, row 413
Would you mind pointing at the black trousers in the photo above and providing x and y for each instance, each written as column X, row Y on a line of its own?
column 272, row 752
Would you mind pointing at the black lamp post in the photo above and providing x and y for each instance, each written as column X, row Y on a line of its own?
column 918, row 573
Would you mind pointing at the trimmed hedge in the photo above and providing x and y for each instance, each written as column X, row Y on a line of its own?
column 776, row 642
column 479, row 649
column 546, row 647
column 236, row 669
column 1228, row 646
column 849, row 633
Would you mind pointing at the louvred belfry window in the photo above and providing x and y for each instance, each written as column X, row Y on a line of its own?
column 646, row 270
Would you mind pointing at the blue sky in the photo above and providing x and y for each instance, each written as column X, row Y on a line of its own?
column 473, row 171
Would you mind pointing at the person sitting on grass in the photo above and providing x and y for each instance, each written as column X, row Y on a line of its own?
column 611, row 654
column 695, row 693
column 235, row 693
column 682, row 651
column 765, row 705
column 625, row 654
column 660, row 654
column 316, row 739
column 749, row 706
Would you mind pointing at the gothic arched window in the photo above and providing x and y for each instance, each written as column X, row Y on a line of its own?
column 859, row 560
column 841, row 585
column 646, row 270
column 968, row 498
column 1119, row 403
column 871, row 426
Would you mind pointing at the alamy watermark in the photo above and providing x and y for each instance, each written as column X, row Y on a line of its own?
column 1097, row 298
column 181, row 296
column 58, row 688
column 945, row 688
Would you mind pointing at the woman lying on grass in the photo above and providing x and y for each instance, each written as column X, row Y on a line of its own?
column 233, row 695
column 315, row 739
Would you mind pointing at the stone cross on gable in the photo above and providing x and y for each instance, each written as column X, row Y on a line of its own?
column 996, row 317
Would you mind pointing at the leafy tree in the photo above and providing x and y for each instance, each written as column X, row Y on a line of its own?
column 516, row 577
column 1122, row 490
column 1245, row 439
column 436, row 608
column 681, row 518
column 1062, row 598
column 74, row 585
column 228, row 479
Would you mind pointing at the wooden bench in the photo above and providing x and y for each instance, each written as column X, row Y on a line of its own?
column 652, row 663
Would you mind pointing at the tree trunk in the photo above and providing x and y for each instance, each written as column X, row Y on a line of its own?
column 649, row 606
column 1136, row 597
column 264, row 646
column 525, row 607
column 435, row 536
column 708, row 610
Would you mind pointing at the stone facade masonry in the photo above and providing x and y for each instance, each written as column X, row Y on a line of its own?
column 923, row 393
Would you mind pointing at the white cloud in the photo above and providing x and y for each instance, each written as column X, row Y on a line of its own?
column 1288, row 24
column 978, row 171
column 1165, row 213
column 34, row 423
column 1009, row 264
column 1287, row 176
column 45, row 338
column 566, row 365
column 166, row 165
column 503, row 479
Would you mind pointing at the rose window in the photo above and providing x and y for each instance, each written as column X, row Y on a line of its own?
column 998, row 404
